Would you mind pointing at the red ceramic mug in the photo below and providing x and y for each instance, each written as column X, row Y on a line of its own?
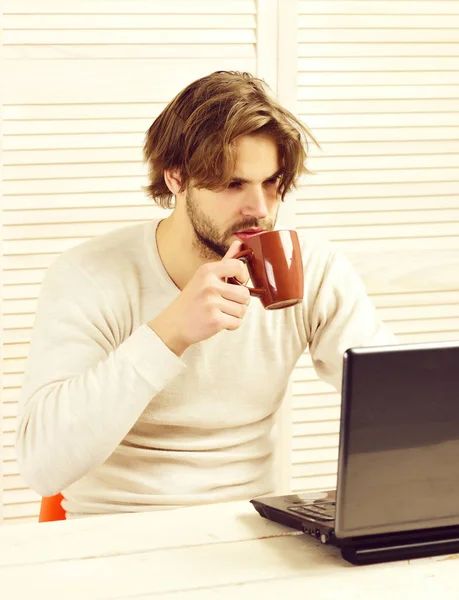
column 275, row 267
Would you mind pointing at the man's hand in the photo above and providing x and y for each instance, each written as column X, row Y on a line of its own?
column 207, row 304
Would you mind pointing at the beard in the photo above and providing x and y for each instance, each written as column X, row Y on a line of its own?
column 210, row 242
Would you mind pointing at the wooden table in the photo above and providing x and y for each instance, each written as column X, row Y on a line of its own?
column 223, row 551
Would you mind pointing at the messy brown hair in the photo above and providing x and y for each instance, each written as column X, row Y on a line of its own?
column 196, row 132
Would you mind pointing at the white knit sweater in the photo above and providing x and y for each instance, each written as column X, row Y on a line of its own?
column 117, row 422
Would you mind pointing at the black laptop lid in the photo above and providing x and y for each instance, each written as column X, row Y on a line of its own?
column 399, row 446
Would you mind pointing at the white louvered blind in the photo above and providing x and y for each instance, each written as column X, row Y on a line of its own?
column 84, row 80
column 378, row 84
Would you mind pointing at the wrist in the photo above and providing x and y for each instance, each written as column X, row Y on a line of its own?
column 164, row 328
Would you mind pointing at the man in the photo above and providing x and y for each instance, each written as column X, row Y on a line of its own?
column 152, row 382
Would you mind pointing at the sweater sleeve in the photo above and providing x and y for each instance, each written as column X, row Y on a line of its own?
column 88, row 379
column 342, row 317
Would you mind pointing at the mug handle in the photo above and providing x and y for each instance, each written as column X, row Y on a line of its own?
column 244, row 256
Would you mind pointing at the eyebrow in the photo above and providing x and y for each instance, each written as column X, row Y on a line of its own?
column 242, row 180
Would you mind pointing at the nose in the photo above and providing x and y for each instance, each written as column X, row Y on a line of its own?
column 255, row 205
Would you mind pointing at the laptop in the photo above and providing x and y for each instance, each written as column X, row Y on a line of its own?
column 397, row 493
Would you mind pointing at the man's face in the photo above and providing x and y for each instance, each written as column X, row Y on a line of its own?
column 249, row 204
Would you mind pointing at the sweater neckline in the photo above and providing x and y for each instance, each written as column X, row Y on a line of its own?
column 152, row 252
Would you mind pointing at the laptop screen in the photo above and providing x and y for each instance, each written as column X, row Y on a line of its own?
column 399, row 447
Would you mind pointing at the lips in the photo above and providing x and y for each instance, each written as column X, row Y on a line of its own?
column 247, row 233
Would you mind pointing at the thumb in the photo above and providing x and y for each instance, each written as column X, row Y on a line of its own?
column 233, row 249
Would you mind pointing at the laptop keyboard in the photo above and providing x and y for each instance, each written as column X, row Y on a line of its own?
column 325, row 511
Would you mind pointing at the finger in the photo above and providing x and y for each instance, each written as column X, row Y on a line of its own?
column 231, row 267
column 244, row 277
column 233, row 249
column 235, row 293
column 231, row 323
column 233, row 309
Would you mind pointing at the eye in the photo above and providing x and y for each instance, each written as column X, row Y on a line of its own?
column 272, row 181
column 234, row 185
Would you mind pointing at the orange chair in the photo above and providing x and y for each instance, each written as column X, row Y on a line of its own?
column 51, row 509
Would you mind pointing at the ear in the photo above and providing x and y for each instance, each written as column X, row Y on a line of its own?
column 173, row 181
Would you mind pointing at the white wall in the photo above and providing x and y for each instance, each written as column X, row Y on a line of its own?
column 376, row 81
